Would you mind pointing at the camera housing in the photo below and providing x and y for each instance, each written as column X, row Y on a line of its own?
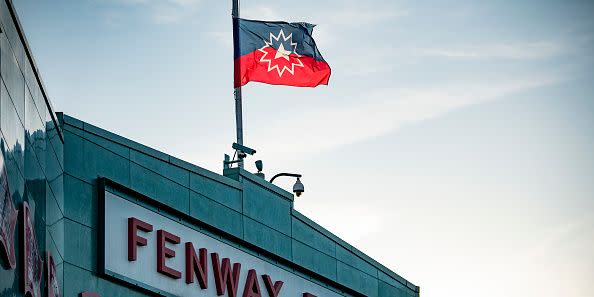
column 298, row 188
column 259, row 165
column 243, row 148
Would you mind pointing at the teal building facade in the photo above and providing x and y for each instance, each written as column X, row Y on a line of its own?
column 68, row 175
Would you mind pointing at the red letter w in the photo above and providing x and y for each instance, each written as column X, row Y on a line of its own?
column 223, row 274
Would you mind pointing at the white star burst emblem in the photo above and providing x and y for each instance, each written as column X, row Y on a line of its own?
column 281, row 52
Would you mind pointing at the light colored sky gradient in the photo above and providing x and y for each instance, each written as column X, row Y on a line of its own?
column 454, row 143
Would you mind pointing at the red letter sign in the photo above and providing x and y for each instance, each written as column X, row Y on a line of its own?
column 135, row 240
column 252, row 288
column 195, row 266
column 164, row 252
column 224, row 275
column 273, row 291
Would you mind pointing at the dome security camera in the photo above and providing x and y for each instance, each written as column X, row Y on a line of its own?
column 298, row 188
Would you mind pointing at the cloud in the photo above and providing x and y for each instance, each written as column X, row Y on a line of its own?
column 354, row 16
column 339, row 23
column 373, row 63
column 518, row 51
column 380, row 112
column 357, row 17
column 368, row 221
column 113, row 19
column 261, row 13
column 223, row 37
column 165, row 11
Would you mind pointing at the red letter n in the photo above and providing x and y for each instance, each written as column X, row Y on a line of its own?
column 195, row 266
column 134, row 240
column 164, row 252
column 224, row 275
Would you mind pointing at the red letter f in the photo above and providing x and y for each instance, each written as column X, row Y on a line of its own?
column 134, row 240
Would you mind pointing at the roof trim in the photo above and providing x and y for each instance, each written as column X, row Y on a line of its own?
column 29, row 54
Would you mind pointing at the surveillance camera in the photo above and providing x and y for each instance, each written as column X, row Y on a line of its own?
column 243, row 148
column 298, row 188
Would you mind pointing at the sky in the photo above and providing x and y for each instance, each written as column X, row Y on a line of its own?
column 454, row 143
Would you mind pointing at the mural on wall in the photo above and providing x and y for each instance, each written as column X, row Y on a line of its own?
column 51, row 281
column 8, row 218
column 32, row 262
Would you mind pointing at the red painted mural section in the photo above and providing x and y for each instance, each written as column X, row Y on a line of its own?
column 52, row 287
column 8, row 219
column 32, row 262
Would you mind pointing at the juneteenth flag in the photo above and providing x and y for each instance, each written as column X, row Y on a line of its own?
column 277, row 53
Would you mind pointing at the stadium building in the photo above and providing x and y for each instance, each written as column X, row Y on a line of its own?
column 86, row 212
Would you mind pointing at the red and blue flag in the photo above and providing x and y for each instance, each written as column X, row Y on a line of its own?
column 277, row 53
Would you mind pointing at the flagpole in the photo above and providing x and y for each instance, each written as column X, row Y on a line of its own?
column 237, row 91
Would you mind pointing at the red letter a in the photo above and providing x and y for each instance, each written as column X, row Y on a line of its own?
column 252, row 288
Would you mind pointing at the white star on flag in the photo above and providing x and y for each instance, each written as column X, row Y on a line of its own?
column 281, row 52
